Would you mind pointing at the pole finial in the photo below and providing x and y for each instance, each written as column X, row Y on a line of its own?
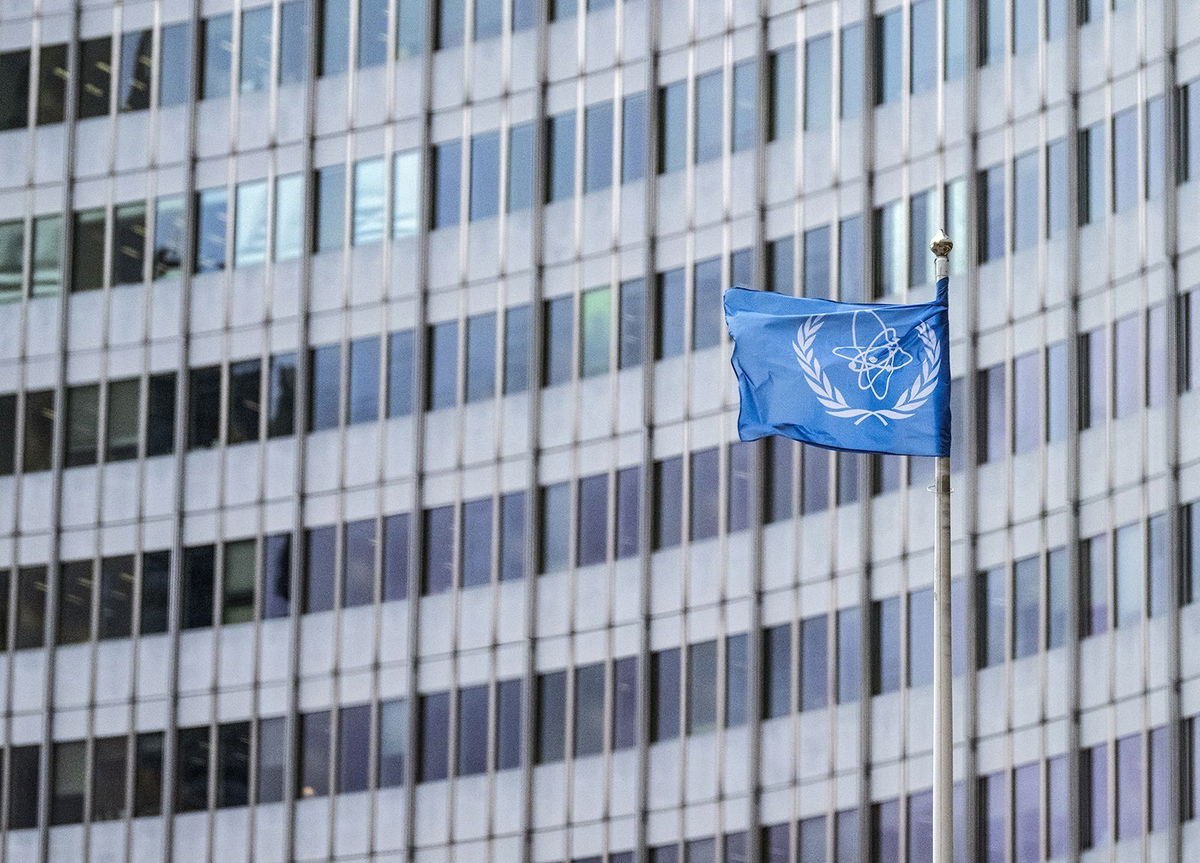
column 941, row 245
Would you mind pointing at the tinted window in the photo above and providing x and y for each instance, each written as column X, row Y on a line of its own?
column 277, row 575
column 672, row 120
column 852, row 90
column 156, row 573
column 211, row 221
column 95, row 77
column 633, row 138
column 551, row 717
column 68, row 770
column 708, row 116
column 319, row 555
column 372, row 32
column 109, row 757
column 439, row 550
column 395, row 556
column 597, row 157
column 664, row 698
column 14, row 89
column 256, row 49
column 333, row 46
column 781, row 81
column 281, row 397
column 354, row 747
column 216, row 60
column 625, row 690
column 777, row 671
column 669, row 334
column 477, row 542
column 53, row 75
column 485, row 175
column 508, row 724
column 589, row 710
column 116, row 597
column 129, row 244
column 358, row 563
column 293, row 42
column 481, row 356
column 472, row 730
column 312, row 772
column 512, row 536
column 400, row 374
column 330, row 216
column 244, row 399
column 520, row 167
column 708, row 317
column 363, row 401
column 88, row 250
column 560, row 156
column 272, row 749
column 191, row 769
column 233, row 764
column 443, row 365
column 326, row 382
column 74, row 601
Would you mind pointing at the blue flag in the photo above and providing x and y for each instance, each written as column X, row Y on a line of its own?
column 844, row 376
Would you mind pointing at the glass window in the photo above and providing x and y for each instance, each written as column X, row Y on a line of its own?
column 129, row 243
column 664, row 697
column 740, row 486
column 625, row 695
column 890, row 266
column 354, row 743
column 1092, row 174
column 370, row 200
column 628, row 507
column 589, row 710
column 707, row 309
column 174, row 64
column 109, row 757
column 1189, row 132
column 923, row 46
column 885, row 830
column 46, row 266
column 781, row 96
column 1156, row 360
column 276, row 576
column 1129, row 574
column 272, row 748
column 920, row 637
column 551, row 717
column 312, row 772
column 363, row 399
column 592, row 536
column 319, row 573
column 281, row 396
column 156, row 570
column 849, row 657
column 489, row 19
column 777, row 671
column 1127, row 347
column 708, row 116
column 888, row 57
column 447, row 163
column 39, row 430
column 1056, row 187
column 255, row 72
column 993, row 817
column 288, row 217
column 512, row 536
column 358, row 563
column 450, row 23
column 780, row 502
column 1056, row 395
column 1129, row 786
column 196, row 601
column 83, row 434
column 560, row 156
column 485, row 175
column 211, row 218
column 472, row 730
column 395, row 556
column 1056, row 19
column 810, row 840
column 633, row 323
column 169, row 226
column 330, row 213
column 191, row 769
column 1093, row 570
column 1156, row 132
column 885, row 664
column 991, row 214
column 372, row 33
column 852, row 91
column 517, row 326
column 53, row 75
column 333, row 37
column 556, row 521
column 14, row 89
column 481, row 356
column 1026, row 607
column 68, row 768
column 705, row 494
column 116, row 597
column 95, row 77
column 559, row 334
column 508, row 724
column 991, row 414
column 816, row 262
column 562, row 9
column 816, row 480
column 737, row 680
column 29, row 626
column 520, row 167
column 477, row 542
column 1160, row 776
column 596, row 325
column 672, row 122
column 88, row 251
column 74, row 601
column 233, row 764
column 439, row 550
column 846, row 837
column 523, row 15
column 1157, row 565
column 1125, row 160
column 668, row 491
column 1093, row 409
column 326, row 383
column 920, row 227
column 250, row 224
column 990, row 617
column 633, row 137
column 1056, row 593
column 410, row 27
column 393, row 742
column 23, row 787
column 216, row 56
column 1093, row 789
column 669, row 333
column 781, row 261
column 293, row 42
column 400, row 374
column 848, row 467
column 818, row 89
column 137, row 65
column 598, row 143
column 8, row 439
column 850, row 260
column 1027, row 402
column 406, row 193
column 1025, row 206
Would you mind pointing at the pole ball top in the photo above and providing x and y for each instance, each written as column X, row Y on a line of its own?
column 941, row 245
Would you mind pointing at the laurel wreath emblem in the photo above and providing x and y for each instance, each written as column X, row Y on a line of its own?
column 831, row 398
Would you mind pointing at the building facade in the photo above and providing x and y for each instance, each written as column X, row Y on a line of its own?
column 369, row 479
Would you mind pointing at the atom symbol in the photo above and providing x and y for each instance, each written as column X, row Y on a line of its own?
column 874, row 362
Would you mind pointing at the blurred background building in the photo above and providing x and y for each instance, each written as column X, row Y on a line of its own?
column 370, row 485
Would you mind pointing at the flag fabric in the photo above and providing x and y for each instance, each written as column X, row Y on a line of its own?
column 843, row 376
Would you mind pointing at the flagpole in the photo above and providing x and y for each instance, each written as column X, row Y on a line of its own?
column 943, row 681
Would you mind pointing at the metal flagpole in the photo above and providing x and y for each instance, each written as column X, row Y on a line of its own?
column 943, row 681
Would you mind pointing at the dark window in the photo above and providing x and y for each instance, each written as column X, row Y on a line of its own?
column 991, row 214
column 443, row 365
column 53, row 75
column 400, row 374
column 358, row 563
column 354, row 747
column 68, row 769
column 476, row 552
column 472, row 730
column 156, row 580
column 512, row 536
column 598, row 143
column 990, row 616
column 333, row 37
column 12, row 260
column 14, row 89
column 439, row 550
column 781, row 71
column 1093, row 791
column 1056, row 598
column 121, row 425
column 74, row 602
column 277, row 576
column 672, row 123
column 204, row 413
column 147, row 774
column 664, row 698
column 888, row 55
column 816, row 262
column 810, row 840
column 95, row 77
column 160, row 414
column 272, row 749
column 211, row 222
column 508, row 724
column 737, row 680
column 777, row 671
column 885, row 830
column 991, row 414
column 116, row 597
column 588, row 728
column 324, row 387
column 196, row 599
column 551, row 717
column 393, row 742
column 362, row 405
column 23, row 787
column 319, row 572
column 1093, row 407
column 1093, row 571
column 846, row 837
column 245, row 398
column 281, row 396
column 885, row 644
column 109, row 757
column 8, row 434
column 216, row 56
column 39, row 430
column 1092, row 175
column 312, row 771
column 633, row 138
column 233, row 764
column 702, row 687
column 625, row 692
column 129, row 244
column 814, row 663
column 192, row 751
column 1026, row 607
column 849, row 656
column 88, row 251
column 520, row 167
column 83, row 417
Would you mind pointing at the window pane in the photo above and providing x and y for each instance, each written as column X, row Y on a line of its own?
column 560, row 156
column 23, row 787
column 169, row 226
column 1130, row 574
column 485, row 175
column 156, row 568
column 293, row 42
column 83, row 417
column 354, row 741
column 410, row 24
column 707, row 311
column 810, row 840
column 816, row 480
column 781, row 78
column 517, row 326
column 363, row 401
column 116, row 597
column 233, row 764
column 891, row 269
column 991, row 214
column 991, row 414
column 289, row 216
column 628, row 509
column 330, row 215
column 277, row 576
column 633, row 323
column 439, row 550
column 244, row 400
column 1056, row 187
column 358, row 564
column 1094, row 585
column 672, row 122
column 447, row 163
column 272, row 746
column 256, row 49
column 489, row 19
column 481, row 357
column 625, row 692
column 39, row 430
column 664, row 698
column 333, row 35
column 395, row 556
column 592, row 541
column 53, row 75
column 95, row 77
column 281, row 399
column 1125, row 160
column 737, row 680
column 520, row 167
column 472, row 730
column 477, row 542
column 589, row 710
column 777, row 671
column 888, row 70
column 816, row 262
column 74, row 602
column 849, row 657
column 196, row 602
column 1155, row 147
column 853, row 58
column 560, row 336
column 46, row 275
column 400, row 374
column 850, row 261
column 669, row 334
column 1157, row 566
column 708, row 116
column 1092, row 175
column 920, row 637
column 406, row 193
column 551, row 717
column 923, row 46
column 68, row 768
column 1093, row 786
column 313, row 770
column 191, row 769
column 818, row 89
column 1161, row 778
column 326, row 384
column 319, row 556
column 668, row 491
column 393, row 742
column 174, row 64
column 705, row 497
column 508, row 724
column 29, row 627
column 129, row 244
column 556, row 520
column 88, row 251
column 512, row 536
column 1026, row 607
column 597, row 157
column 1129, row 787
column 369, row 201
column 450, row 24
column 216, row 57
column 846, row 837
column 211, row 221
column 1127, row 347
column 596, row 327
column 885, row 831
column 633, row 138
column 109, row 757
column 8, row 434
column 885, row 664
column 1056, row 591
column 14, row 90
column 372, row 33
column 990, row 617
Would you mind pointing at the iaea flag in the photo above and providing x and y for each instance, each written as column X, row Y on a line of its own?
column 844, row 376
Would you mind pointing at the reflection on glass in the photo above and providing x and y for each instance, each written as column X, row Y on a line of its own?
column 250, row 224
